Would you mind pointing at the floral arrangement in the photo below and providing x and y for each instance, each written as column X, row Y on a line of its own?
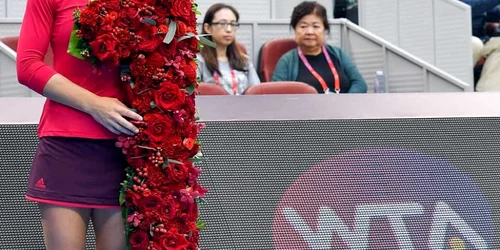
column 154, row 42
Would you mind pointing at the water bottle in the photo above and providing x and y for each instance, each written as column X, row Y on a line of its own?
column 380, row 82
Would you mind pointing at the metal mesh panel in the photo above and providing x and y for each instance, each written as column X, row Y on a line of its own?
column 250, row 165
column 21, row 226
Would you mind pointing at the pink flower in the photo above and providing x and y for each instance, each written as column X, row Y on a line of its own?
column 125, row 143
column 188, row 196
column 135, row 219
column 201, row 125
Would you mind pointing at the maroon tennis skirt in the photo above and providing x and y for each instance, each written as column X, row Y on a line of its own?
column 77, row 172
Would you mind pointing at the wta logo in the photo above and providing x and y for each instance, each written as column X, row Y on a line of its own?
column 383, row 199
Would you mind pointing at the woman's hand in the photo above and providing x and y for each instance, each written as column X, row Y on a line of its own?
column 111, row 113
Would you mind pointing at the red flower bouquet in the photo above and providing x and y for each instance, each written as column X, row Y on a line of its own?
column 154, row 43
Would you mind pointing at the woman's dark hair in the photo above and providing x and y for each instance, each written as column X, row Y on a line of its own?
column 236, row 59
column 306, row 8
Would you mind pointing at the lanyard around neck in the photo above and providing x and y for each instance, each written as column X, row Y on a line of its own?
column 233, row 79
column 317, row 76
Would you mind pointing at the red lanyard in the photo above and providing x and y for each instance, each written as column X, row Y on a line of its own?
column 233, row 78
column 317, row 76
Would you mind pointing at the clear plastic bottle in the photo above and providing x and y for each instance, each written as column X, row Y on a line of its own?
column 380, row 83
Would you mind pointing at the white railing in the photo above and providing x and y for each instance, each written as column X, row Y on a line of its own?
column 9, row 86
column 437, row 31
column 404, row 72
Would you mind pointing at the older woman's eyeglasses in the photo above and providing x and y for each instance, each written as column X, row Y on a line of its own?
column 224, row 24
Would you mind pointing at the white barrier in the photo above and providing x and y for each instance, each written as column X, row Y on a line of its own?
column 404, row 72
column 437, row 31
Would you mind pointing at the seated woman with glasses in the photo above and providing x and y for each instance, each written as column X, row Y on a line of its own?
column 327, row 68
column 225, row 65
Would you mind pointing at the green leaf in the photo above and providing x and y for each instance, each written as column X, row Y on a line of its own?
column 197, row 160
column 200, row 225
column 148, row 21
column 191, row 88
column 194, row 8
column 175, row 162
column 76, row 15
column 188, row 35
column 165, row 165
column 153, row 105
column 124, row 212
column 122, row 198
column 172, row 29
column 73, row 45
column 207, row 42
column 201, row 201
column 151, row 232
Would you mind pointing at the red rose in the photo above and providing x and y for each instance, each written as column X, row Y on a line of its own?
column 105, row 48
column 128, row 19
column 181, row 29
column 132, row 198
column 171, row 146
column 149, row 38
column 151, row 203
column 139, row 240
column 169, row 212
column 173, row 241
column 123, row 51
column 159, row 127
column 169, row 97
column 178, row 173
column 181, row 8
